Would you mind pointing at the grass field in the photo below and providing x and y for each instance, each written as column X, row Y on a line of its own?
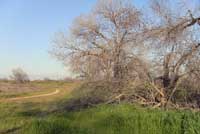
column 14, row 115
column 47, row 116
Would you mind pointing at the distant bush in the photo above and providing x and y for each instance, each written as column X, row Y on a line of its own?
column 68, row 79
column 20, row 76
column 47, row 79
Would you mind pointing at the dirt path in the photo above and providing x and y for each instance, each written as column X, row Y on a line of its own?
column 34, row 96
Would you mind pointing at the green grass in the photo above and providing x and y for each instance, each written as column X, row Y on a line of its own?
column 118, row 119
column 15, row 115
column 46, row 116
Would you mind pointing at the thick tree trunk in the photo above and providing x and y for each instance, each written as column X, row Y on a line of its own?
column 173, row 82
column 165, row 77
column 117, row 71
column 118, row 68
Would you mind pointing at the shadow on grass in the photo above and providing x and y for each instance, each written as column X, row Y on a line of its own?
column 35, row 109
column 10, row 131
column 54, row 126
column 33, row 113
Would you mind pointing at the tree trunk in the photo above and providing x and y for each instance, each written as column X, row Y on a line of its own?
column 165, row 78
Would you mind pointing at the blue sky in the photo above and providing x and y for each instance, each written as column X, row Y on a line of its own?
column 26, row 30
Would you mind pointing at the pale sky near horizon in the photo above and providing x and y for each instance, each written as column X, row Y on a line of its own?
column 27, row 28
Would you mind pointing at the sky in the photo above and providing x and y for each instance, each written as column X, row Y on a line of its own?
column 27, row 28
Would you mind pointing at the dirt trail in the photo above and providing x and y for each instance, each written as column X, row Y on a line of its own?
column 34, row 96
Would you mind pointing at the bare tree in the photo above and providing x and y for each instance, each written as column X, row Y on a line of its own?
column 110, row 42
column 176, row 42
column 104, row 43
column 19, row 75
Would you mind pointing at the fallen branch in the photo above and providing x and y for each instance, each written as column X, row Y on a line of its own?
column 159, row 91
column 118, row 97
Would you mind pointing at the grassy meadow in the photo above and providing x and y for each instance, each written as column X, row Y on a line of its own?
column 14, row 115
column 47, row 115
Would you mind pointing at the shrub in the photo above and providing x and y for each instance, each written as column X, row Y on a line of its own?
column 19, row 75
column 92, row 93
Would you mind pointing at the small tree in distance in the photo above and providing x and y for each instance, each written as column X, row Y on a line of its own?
column 19, row 76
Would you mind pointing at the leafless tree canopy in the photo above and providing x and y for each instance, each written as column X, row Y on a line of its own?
column 103, row 44
column 115, row 41
column 176, row 41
